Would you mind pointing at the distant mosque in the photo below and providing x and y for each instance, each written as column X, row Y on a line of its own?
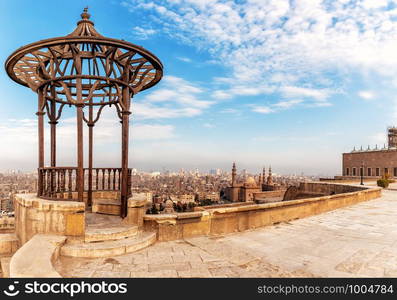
column 245, row 191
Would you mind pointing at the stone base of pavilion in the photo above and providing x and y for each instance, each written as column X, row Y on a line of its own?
column 67, row 228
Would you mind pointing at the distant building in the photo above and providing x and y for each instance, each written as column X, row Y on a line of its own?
column 246, row 191
column 372, row 162
column 187, row 198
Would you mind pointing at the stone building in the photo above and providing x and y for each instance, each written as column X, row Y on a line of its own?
column 375, row 162
column 247, row 189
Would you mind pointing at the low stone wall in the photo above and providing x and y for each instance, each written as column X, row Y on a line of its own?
column 35, row 215
column 328, row 189
column 223, row 220
column 262, row 196
column 8, row 243
column 7, row 224
column 35, row 259
column 95, row 195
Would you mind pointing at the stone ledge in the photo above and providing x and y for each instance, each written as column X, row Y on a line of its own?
column 31, row 200
column 250, row 207
column 34, row 215
column 224, row 220
column 5, row 266
column 8, row 243
column 35, row 258
column 136, row 202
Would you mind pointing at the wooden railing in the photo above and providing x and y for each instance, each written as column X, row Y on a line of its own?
column 61, row 182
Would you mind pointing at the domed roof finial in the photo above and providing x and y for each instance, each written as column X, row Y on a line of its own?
column 85, row 15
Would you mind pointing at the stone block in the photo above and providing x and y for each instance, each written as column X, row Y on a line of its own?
column 135, row 212
column 75, row 224
column 34, row 215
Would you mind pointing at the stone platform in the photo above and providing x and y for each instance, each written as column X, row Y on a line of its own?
column 107, row 236
column 355, row 241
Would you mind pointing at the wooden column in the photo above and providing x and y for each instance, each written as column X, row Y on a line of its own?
column 124, row 152
column 40, row 120
column 90, row 155
column 80, row 159
column 53, row 124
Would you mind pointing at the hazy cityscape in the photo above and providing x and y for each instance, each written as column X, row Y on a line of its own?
column 184, row 186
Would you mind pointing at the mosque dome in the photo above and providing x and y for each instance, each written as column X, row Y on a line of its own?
column 250, row 181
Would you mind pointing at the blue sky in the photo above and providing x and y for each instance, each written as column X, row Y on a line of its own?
column 291, row 84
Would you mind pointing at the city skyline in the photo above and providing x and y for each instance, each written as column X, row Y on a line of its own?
column 226, row 95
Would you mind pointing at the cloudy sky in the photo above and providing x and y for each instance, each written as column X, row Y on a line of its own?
column 291, row 84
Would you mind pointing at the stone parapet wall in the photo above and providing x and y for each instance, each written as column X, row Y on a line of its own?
column 329, row 189
column 34, row 215
column 7, row 224
column 95, row 195
column 269, row 194
column 224, row 220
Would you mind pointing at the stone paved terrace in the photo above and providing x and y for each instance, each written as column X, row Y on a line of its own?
column 357, row 241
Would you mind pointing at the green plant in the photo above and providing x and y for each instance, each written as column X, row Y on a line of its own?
column 383, row 183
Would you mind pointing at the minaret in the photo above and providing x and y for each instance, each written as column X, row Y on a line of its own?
column 269, row 178
column 260, row 181
column 264, row 174
column 234, row 173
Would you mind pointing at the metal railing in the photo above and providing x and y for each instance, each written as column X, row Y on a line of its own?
column 61, row 182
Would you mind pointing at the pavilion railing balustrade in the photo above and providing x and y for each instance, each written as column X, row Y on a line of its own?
column 60, row 183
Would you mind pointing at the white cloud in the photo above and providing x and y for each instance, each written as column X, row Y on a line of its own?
column 208, row 125
column 394, row 113
column 366, row 95
column 263, row 109
column 378, row 138
column 294, row 91
column 276, row 107
column 230, row 111
column 184, row 59
column 152, row 132
column 370, row 4
column 287, row 104
column 19, row 140
column 303, row 45
column 242, row 90
column 142, row 33
column 175, row 98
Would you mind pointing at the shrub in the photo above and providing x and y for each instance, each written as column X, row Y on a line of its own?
column 383, row 183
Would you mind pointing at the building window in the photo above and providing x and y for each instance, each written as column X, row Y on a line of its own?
column 347, row 172
column 369, row 172
column 354, row 171
column 395, row 172
column 377, row 172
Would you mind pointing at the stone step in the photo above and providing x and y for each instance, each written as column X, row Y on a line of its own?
column 8, row 243
column 94, row 234
column 109, row 248
column 106, row 206
column 5, row 266
column 35, row 258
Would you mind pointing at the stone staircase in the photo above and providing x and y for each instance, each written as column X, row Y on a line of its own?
column 107, row 236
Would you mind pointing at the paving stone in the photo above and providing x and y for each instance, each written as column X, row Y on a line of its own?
column 355, row 241
column 155, row 274
column 195, row 273
column 174, row 266
column 110, row 274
